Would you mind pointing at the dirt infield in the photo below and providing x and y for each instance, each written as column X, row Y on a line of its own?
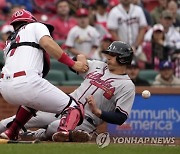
column 177, row 141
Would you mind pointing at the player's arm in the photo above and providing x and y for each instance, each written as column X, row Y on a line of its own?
column 114, row 34
column 116, row 117
column 140, row 37
column 142, row 28
column 53, row 49
column 113, row 25
column 49, row 45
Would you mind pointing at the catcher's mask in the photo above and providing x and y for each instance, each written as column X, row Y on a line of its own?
column 22, row 16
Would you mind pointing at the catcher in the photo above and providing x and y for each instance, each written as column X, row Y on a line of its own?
column 26, row 61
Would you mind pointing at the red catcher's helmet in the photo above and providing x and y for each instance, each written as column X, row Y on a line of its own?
column 22, row 15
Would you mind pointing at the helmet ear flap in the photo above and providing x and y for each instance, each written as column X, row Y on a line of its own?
column 121, row 60
column 118, row 59
column 124, row 60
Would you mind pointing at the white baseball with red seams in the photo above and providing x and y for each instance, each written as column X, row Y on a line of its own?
column 146, row 94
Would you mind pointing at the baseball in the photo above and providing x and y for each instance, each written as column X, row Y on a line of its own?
column 44, row 17
column 146, row 94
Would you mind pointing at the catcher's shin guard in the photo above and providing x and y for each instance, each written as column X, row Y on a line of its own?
column 71, row 117
column 22, row 116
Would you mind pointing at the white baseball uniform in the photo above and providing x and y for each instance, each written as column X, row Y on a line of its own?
column 102, row 19
column 172, row 37
column 110, row 91
column 83, row 39
column 127, row 23
column 29, row 88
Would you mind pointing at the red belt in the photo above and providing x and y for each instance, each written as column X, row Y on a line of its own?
column 17, row 74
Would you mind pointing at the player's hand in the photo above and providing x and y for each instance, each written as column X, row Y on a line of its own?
column 134, row 48
column 82, row 58
column 80, row 67
column 92, row 105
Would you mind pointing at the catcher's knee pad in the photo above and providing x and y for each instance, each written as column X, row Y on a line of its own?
column 71, row 117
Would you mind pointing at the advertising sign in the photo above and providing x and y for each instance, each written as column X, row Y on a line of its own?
column 154, row 117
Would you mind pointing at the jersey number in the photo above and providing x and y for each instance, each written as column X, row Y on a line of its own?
column 17, row 41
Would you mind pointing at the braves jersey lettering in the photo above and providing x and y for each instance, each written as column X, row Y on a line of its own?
column 103, row 84
column 130, row 21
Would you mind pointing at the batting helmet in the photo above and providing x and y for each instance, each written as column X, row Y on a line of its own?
column 22, row 15
column 122, row 50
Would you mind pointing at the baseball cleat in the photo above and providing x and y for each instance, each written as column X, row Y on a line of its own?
column 80, row 136
column 72, row 136
column 8, row 134
column 62, row 136
column 4, row 136
column 31, row 135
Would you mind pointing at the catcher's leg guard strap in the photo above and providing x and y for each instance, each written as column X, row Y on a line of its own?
column 71, row 118
column 22, row 126
column 22, row 116
column 33, row 111
column 70, row 101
